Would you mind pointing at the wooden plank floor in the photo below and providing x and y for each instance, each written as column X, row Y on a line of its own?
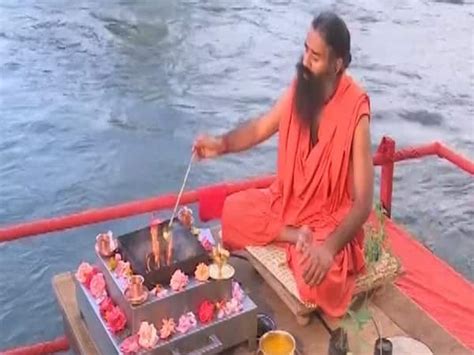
column 312, row 339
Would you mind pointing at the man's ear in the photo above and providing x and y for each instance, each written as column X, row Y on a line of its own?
column 339, row 65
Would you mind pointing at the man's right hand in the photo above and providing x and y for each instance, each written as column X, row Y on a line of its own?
column 305, row 239
column 208, row 147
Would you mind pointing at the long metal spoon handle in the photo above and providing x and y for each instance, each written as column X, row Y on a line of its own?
column 182, row 189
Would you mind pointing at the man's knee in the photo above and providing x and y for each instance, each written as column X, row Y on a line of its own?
column 233, row 206
column 231, row 213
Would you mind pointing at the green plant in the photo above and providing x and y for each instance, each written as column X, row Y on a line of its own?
column 375, row 245
column 355, row 320
column 375, row 237
column 357, row 315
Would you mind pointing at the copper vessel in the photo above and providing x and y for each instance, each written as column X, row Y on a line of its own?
column 105, row 244
column 136, row 292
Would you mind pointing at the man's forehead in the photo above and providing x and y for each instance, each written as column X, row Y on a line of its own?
column 315, row 42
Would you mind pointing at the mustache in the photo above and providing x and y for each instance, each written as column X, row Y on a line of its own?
column 304, row 73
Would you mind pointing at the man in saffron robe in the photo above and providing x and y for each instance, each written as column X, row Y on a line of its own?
column 323, row 190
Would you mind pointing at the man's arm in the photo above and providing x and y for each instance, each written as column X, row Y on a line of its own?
column 254, row 131
column 363, row 190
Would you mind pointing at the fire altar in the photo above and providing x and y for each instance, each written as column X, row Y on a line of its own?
column 164, row 289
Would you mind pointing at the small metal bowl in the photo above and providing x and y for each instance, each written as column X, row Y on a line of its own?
column 265, row 324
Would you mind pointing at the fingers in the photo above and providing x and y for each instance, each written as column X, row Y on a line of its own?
column 198, row 141
column 305, row 238
column 199, row 147
column 309, row 273
column 314, row 270
column 306, row 255
column 206, row 147
column 319, row 276
column 301, row 244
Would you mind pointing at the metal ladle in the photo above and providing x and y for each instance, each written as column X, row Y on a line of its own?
column 168, row 234
column 180, row 194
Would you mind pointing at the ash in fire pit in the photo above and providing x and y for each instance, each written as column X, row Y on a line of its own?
column 157, row 251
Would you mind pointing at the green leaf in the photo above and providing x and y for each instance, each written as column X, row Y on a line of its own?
column 364, row 315
column 351, row 314
column 360, row 317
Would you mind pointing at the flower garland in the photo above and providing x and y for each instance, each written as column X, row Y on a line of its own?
column 148, row 336
column 94, row 281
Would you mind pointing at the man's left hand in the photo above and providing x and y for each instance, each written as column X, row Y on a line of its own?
column 317, row 261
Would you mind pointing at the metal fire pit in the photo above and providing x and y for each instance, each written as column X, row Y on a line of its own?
column 174, row 304
column 187, row 252
column 212, row 338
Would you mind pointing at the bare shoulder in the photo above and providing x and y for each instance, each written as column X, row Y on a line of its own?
column 280, row 106
column 362, row 141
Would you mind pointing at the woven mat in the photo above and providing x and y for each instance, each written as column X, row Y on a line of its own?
column 274, row 260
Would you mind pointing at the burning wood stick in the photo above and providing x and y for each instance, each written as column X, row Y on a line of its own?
column 168, row 237
column 155, row 244
column 169, row 254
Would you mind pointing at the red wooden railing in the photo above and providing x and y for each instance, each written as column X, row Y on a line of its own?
column 386, row 156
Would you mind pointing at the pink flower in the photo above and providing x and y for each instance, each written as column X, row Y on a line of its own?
column 232, row 307
column 237, row 292
column 115, row 319
column 178, row 281
column 97, row 286
column 186, row 322
column 147, row 337
column 207, row 245
column 106, row 306
column 220, row 307
column 84, row 272
column 168, row 328
column 206, row 311
column 130, row 345
column 95, row 271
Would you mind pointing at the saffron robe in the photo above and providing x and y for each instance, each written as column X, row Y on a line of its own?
column 313, row 187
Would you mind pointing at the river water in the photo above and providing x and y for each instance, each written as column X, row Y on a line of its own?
column 100, row 102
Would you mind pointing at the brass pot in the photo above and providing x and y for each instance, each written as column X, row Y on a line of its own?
column 277, row 342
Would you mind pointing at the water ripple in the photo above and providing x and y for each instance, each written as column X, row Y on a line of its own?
column 425, row 118
column 99, row 105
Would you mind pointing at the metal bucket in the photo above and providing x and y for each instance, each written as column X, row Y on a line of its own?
column 277, row 342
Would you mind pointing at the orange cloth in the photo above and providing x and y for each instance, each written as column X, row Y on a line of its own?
column 313, row 187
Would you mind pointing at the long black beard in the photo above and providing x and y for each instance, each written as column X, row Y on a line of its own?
column 309, row 94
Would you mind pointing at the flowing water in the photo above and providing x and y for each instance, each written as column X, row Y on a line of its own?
column 100, row 102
